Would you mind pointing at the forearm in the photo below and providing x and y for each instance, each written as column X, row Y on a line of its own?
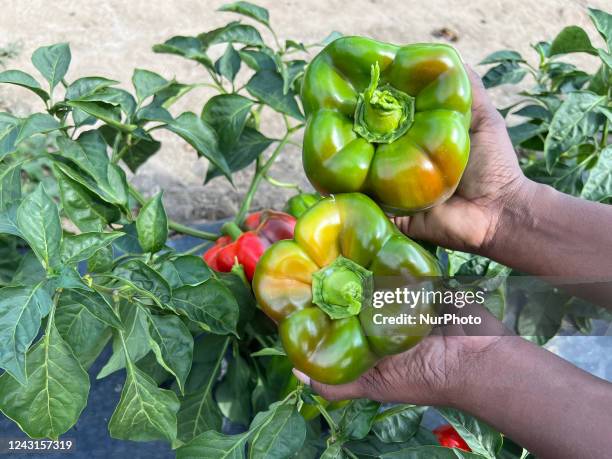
column 544, row 232
column 539, row 400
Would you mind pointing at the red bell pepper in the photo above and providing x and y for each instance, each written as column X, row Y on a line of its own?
column 262, row 230
column 449, row 437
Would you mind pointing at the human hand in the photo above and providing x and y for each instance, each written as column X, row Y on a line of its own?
column 492, row 180
column 435, row 372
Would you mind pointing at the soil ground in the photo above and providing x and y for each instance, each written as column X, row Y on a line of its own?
column 111, row 38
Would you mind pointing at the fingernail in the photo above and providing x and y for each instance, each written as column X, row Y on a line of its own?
column 301, row 376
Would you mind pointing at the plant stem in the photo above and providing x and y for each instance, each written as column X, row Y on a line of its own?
column 332, row 425
column 178, row 227
column 279, row 184
column 260, row 173
column 197, row 248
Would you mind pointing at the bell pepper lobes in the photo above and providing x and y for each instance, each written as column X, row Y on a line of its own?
column 300, row 203
column 447, row 436
column 263, row 228
column 318, row 287
column 389, row 121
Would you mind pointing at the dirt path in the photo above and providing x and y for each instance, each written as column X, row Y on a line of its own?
column 111, row 38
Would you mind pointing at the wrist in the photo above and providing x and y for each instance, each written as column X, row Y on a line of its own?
column 476, row 356
column 514, row 216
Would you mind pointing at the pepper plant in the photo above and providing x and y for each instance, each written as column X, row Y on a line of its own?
column 562, row 138
column 86, row 262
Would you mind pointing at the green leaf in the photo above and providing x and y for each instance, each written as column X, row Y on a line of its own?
column 139, row 153
column 94, row 303
column 525, row 131
column 430, row 452
column 137, row 339
column 147, row 280
column 333, row 36
column 145, row 412
column 172, row 345
column 228, row 64
column 101, row 261
column 10, row 183
column 505, row 55
column 38, row 123
column 201, row 137
column 234, row 393
column 399, row 423
column 52, row 62
column 79, row 247
column 55, row 394
column 199, row 412
column 24, row 80
column 104, row 112
column 8, row 220
column 357, row 418
column 279, row 433
column 572, row 39
column 86, row 86
column 82, row 331
column 29, row 271
column 481, row 438
column 9, row 129
column 39, row 224
column 21, row 311
column 234, row 32
column 227, row 114
column 534, row 111
column 540, row 318
column 257, row 60
column 606, row 58
column 215, row 445
column 85, row 209
column 598, row 186
column 268, row 351
column 292, row 44
column 152, row 225
column 603, row 23
column 210, row 304
column 105, row 178
column 575, row 120
column 185, row 270
column 267, row 86
column 248, row 9
column 115, row 97
column 504, row 73
column 293, row 71
column 189, row 47
column 250, row 145
column 129, row 243
column 147, row 83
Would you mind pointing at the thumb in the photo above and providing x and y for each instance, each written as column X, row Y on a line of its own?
column 354, row 389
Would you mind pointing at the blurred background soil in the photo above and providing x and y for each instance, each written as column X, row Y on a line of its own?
column 111, row 38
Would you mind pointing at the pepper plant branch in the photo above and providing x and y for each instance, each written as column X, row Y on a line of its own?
column 260, row 173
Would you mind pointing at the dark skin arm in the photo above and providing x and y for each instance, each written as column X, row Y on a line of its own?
column 544, row 403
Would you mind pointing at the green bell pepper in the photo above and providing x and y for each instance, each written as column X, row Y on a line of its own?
column 318, row 287
column 389, row 121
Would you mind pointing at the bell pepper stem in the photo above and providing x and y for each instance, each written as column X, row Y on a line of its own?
column 232, row 230
column 342, row 288
column 383, row 113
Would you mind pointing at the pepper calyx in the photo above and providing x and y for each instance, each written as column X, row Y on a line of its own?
column 342, row 288
column 383, row 113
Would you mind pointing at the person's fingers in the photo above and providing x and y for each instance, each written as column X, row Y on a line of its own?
column 484, row 112
column 330, row 392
